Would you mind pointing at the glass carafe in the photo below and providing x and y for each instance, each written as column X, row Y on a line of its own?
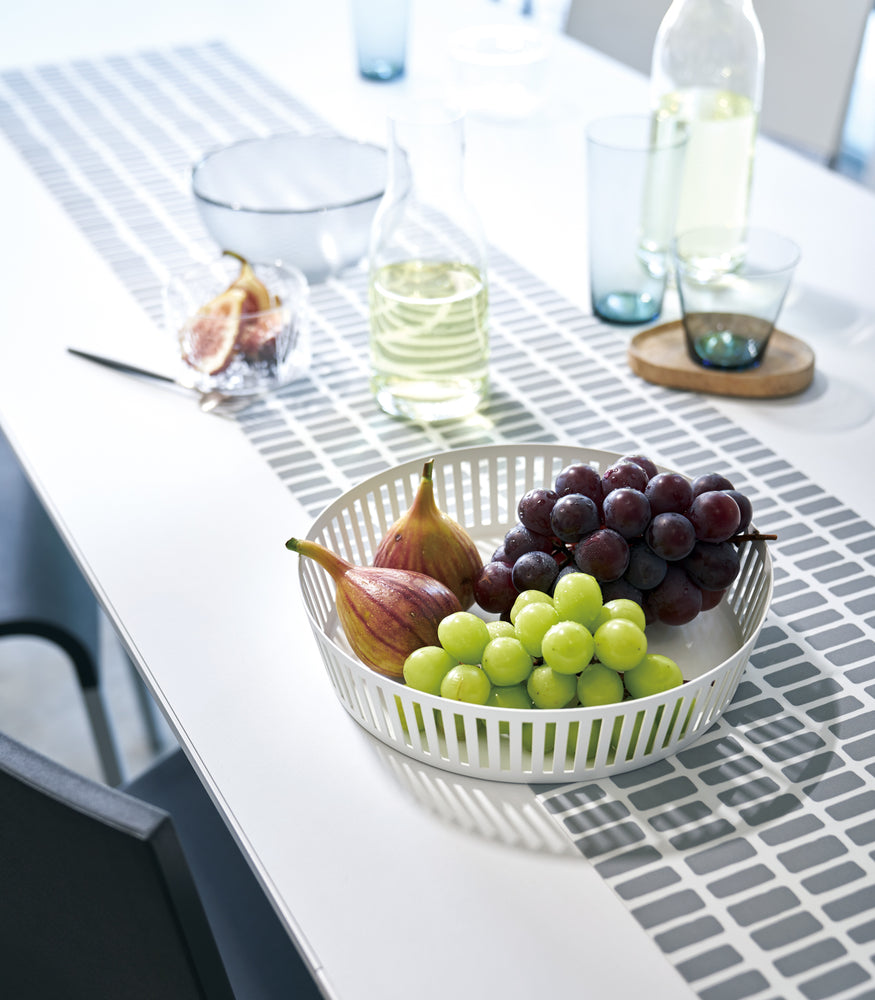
column 428, row 299
column 707, row 72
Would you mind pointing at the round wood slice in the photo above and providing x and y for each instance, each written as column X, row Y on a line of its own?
column 659, row 355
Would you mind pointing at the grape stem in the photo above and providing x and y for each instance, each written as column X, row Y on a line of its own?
column 753, row 536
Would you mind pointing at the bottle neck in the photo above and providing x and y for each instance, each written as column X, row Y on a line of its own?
column 427, row 153
column 711, row 45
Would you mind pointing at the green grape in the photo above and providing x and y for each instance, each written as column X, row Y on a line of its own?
column 512, row 696
column 532, row 624
column 417, row 711
column 464, row 636
column 506, row 661
column 549, row 689
column 620, row 644
column 516, row 696
column 654, row 674
column 426, row 667
column 578, row 598
column 524, row 599
column 617, row 732
column 599, row 685
column 567, row 647
column 622, row 607
column 459, row 723
column 550, row 737
column 498, row 628
column 466, row 682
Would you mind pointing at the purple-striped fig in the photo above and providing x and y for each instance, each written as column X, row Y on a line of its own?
column 427, row 540
column 258, row 298
column 209, row 336
column 385, row 613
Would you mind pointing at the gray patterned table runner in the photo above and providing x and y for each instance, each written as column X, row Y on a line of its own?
column 749, row 858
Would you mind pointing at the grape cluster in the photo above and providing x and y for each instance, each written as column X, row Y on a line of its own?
column 553, row 652
column 647, row 536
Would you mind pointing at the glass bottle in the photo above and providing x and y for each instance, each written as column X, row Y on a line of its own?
column 707, row 71
column 427, row 294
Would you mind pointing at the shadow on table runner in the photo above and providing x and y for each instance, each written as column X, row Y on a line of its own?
column 747, row 857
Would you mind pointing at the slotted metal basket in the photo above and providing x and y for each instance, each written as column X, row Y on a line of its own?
column 480, row 488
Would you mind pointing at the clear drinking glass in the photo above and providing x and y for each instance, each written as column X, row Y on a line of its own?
column 428, row 298
column 633, row 177
column 380, row 28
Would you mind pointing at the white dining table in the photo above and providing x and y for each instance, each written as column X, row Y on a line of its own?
column 395, row 879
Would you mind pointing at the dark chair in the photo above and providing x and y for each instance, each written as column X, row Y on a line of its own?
column 43, row 594
column 136, row 893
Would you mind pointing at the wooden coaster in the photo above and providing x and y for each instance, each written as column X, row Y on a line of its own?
column 659, row 355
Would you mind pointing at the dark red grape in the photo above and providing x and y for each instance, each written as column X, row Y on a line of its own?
column 499, row 555
column 713, row 565
column 604, row 554
column 621, row 588
column 519, row 540
column 649, row 612
column 534, row 510
column 580, row 478
column 574, row 515
column 623, row 474
column 493, row 589
column 646, row 569
column 677, row 600
column 710, row 481
column 671, row 536
column 715, row 516
column 645, row 463
column 711, row 598
column 669, row 492
column 745, row 508
column 627, row 511
column 534, row 571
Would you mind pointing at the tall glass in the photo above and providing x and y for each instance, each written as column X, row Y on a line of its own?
column 633, row 180
column 380, row 28
column 428, row 298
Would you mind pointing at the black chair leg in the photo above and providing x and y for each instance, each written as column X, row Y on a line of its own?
column 86, row 674
column 157, row 743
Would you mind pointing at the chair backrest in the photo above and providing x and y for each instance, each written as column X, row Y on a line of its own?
column 96, row 897
column 812, row 49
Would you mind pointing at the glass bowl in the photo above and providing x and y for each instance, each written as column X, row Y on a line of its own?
column 307, row 201
column 225, row 341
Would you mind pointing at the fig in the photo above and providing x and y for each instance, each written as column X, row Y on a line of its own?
column 258, row 298
column 242, row 318
column 385, row 613
column 427, row 540
column 210, row 335
column 257, row 336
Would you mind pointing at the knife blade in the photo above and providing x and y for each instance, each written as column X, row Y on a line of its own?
column 121, row 366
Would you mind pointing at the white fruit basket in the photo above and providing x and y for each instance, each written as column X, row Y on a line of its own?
column 480, row 488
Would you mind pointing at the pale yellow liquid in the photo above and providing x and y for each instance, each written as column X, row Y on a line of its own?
column 429, row 338
column 718, row 163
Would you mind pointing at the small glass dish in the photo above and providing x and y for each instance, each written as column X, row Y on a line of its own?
column 240, row 329
column 500, row 69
